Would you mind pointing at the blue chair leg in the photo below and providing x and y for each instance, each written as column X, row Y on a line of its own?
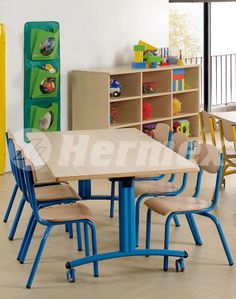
column 86, row 239
column 17, row 218
column 222, row 237
column 25, row 236
column 66, row 228
column 137, row 216
column 148, row 229
column 79, row 240
column 38, row 256
column 8, row 211
column 167, row 240
column 27, row 243
column 70, row 228
column 176, row 220
column 112, row 202
column 94, row 246
column 194, row 229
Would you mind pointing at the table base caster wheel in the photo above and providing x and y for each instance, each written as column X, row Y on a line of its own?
column 71, row 275
column 179, row 265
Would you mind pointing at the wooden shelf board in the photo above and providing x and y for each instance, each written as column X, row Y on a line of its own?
column 123, row 125
column 186, row 91
column 121, row 99
column 157, row 119
column 184, row 114
column 158, row 94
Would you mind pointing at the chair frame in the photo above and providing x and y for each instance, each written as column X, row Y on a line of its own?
column 35, row 218
column 17, row 158
column 190, row 219
column 189, row 214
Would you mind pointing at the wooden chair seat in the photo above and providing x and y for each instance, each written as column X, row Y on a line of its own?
column 66, row 212
column 158, row 187
column 165, row 205
column 55, row 192
column 44, row 175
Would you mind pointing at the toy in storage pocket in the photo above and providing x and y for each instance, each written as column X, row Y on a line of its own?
column 44, row 119
column 44, row 44
column 43, row 84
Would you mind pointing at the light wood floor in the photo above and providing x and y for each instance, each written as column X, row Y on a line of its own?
column 207, row 274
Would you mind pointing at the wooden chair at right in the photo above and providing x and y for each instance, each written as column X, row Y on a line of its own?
column 210, row 160
column 228, row 136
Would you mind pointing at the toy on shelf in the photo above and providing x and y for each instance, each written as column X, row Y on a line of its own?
column 115, row 88
column 180, row 61
column 178, row 80
column 149, row 129
column 149, row 87
column 113, row 114
column 146, row 56
column 164, row 57
column 181, row 126
column 147, row 110
column 177, row 106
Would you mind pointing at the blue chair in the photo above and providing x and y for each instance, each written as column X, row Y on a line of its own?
column 57, row 191
column 210, row 160
column 182, row 146
column 162, row 134
column 44, row 179
column 54, row 215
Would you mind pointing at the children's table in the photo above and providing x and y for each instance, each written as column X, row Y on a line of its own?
column 119, row 154
column 228, row 115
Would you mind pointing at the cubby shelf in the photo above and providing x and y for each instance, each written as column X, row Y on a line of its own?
column 186, row 90
column 120, row 99
column 91, row 101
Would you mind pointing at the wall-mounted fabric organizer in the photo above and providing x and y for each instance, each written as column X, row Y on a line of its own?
column 42, row 77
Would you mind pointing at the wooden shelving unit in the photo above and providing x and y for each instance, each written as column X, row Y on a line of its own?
column 91, row 99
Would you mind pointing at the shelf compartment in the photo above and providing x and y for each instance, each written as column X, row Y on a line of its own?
column 160, row 107
column 127, row 113
column 193, row 124
column 192, row 77
column 161, row 77
column 190, row 102
column 130, row 85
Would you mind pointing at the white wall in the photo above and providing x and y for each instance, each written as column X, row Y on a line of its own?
column 94, row 33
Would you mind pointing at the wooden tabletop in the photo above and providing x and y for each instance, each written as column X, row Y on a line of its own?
column 229, row 115
column 110, row 153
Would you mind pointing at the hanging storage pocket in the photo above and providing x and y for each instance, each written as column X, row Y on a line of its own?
column 43, row 84
column 44, row 44
column 44, row 118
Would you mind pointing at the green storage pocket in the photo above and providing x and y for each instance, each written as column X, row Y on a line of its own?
column 43, row 84
column 44, row 44
column 44, row 119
